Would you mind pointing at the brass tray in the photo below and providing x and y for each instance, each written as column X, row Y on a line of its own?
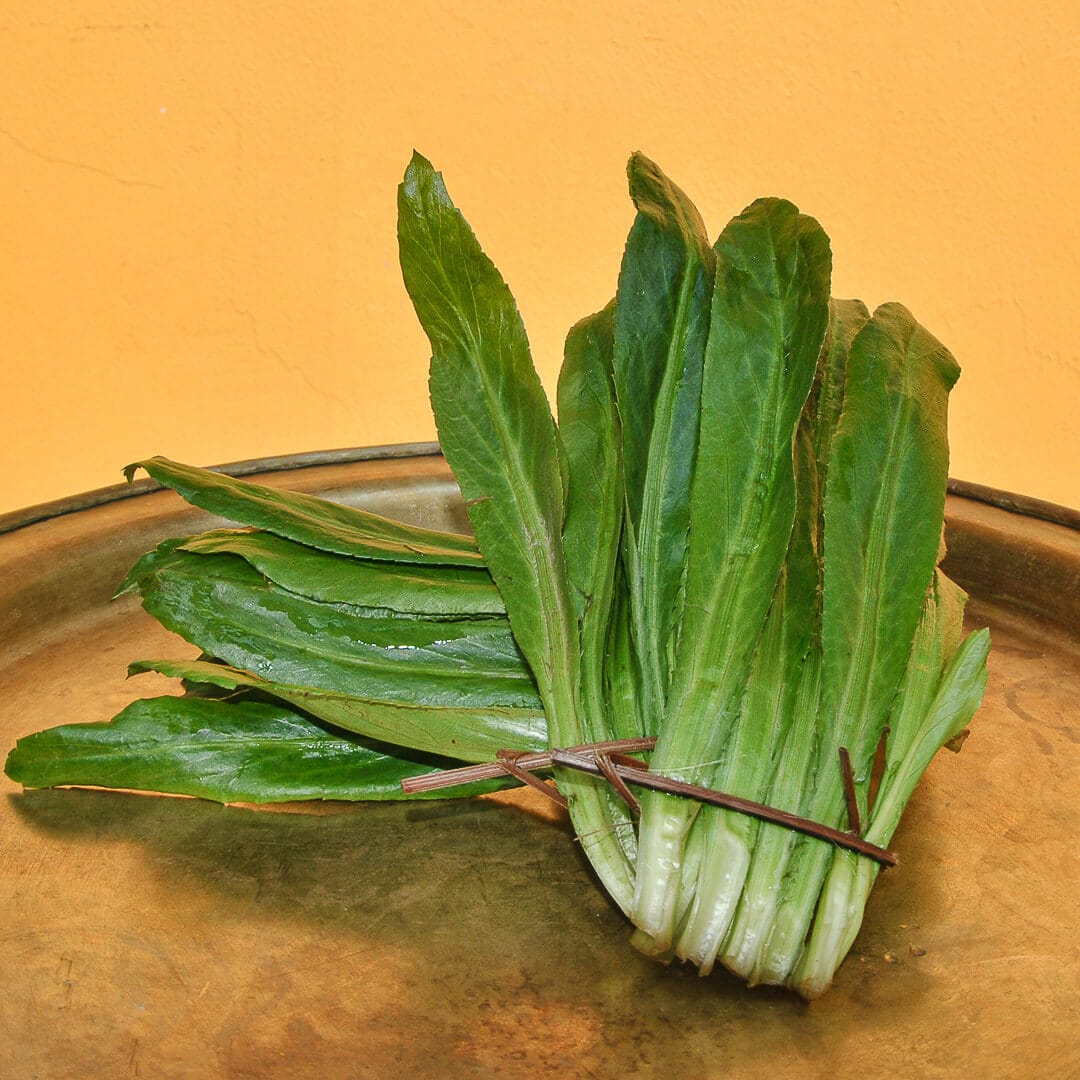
column 168, row 937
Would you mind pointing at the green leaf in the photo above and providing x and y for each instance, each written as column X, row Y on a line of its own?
column 747, row 950
column 589, row 427
column 621, row 675
column 797, row 749
column 223, row 606
column 308, row 519
column 473, row 734
column 769, row 316
column 408, row 588
column 225, row 751
column 926, row 727
column 942, row 688
column 496, row 430
column 770, row 310
column 661, row 326
column 494, row 424
column 884, row 505
column 766, row 731
column 846, row 319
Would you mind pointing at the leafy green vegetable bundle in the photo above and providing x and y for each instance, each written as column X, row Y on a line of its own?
column 728, row 543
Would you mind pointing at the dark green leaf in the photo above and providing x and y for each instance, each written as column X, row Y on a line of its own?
column 229, row 752
column 227, row 609
column 495, row 428
column 884, row 505
column 474, row 734
column 769, row 316
column 770, row 310
column 661, row 326
column 846, row 319
column 409, row 588
column 308, row 519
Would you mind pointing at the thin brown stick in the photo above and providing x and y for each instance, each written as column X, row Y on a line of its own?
column 508, row 759
column 625, row 759
column 848, row 776
column 636, row 773
column 641, row 778
column 611, row 775
column 877, row 770
column 491, row 770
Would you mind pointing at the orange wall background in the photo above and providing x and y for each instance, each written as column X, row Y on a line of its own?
column 199, row 255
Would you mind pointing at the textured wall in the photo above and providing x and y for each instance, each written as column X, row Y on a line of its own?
column 198, row 202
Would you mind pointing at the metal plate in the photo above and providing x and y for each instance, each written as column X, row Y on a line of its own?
column 150, row 936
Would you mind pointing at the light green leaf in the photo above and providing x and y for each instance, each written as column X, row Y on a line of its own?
column 884, row 505
column 589, row 427
column 769, row 728
column 497, row 433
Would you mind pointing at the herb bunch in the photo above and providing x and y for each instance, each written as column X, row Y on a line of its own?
column 730, row 541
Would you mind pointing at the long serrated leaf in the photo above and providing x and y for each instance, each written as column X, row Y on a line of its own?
column 227, row 609
column 769, row 316
column 496, row 430
column 661, row 326
column 494, row 423
column 309, row 519
column 621, row 683
column 589, row 428
column 464, row 734
column 226, row 751
column 409, row 588
column 884, row 504
column 763, row 731
column 846, row 319
column 770, row 310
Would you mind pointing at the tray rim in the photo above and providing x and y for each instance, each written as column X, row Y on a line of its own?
column 1013, row 502
column 14, row 520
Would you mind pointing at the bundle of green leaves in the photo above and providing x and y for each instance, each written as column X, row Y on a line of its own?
column 729, row 542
